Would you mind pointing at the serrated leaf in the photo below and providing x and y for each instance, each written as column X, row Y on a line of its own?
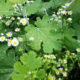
column 29, row 62
column 44, row 32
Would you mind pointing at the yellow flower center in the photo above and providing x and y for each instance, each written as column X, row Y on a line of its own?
column 67, row 4
column 9, row 34
column 23, row 21
column 69, row 12
column 61, row 70
column 57, row 73
column 2, row 38
column 64, row 74
column 15, row 42
column 7, row 22
column 52, row 78
column 10, row 41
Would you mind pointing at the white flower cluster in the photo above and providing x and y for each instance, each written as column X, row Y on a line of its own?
column 62, row 11
column 50, row 56
column 64, row 73
column 11, row 42
column 22, row 21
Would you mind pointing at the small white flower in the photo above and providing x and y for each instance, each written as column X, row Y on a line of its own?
column 2, row 34
column 78, row 49
column 18, row 18
column 61, row 69
column 64, row 12
column 8, row 23
column 23, row 21
column 52, row 78
column 31, row 38
column 67, row 4
column 65, row 61
column 58, row 13
column 0, row 17
column 69, row 19
column 17, row 29
column 57, row 72
column 69, row 12
column 65, row 74
column 15, row 42
column 9, row 34
column 53, row 56
column 59, row 79
column 2, row 38
column 20, row 39
column 45, row 56
column 9, row 42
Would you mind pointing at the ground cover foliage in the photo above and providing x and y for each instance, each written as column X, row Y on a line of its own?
column 39, row 40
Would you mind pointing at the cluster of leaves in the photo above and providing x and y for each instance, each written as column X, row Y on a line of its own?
column 41, row 36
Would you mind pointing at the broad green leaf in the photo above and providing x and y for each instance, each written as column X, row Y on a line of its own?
column 29, row 63
column 7, row 9
column 45, row 33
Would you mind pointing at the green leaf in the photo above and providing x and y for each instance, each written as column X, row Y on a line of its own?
column 29, row 62
column 70, row 42
column 7, row 9
column 45, row 33
column 40, row 6
column 33, row 8
column 6, row 63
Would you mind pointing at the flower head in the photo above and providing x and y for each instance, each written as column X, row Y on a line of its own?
column 65, row 61
column 15, row 42
column 9, row 34
column 31, row 38
column 57, row 72
column 67, row 4
column 17, row 29
column 20, row 39
column 69, row 12
column 64, row 12
column 8, row 23
column 52, row 78
column 61, row 69
column 9, row 42
column 23, row 21
column 2, row 38
column 69, row 19
column 65, row 74
column 0, row 17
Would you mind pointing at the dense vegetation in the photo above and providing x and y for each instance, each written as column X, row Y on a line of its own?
column 39, row 39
